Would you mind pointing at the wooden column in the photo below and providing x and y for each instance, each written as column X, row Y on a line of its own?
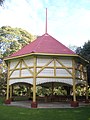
column 87, row 100
column 7, row 97
column 34, row 103
column 11, row 89
column 86, row 90
column 54, row 67
column 8, row 101
column 34, row 81
column 74, row 86
column 74, row 103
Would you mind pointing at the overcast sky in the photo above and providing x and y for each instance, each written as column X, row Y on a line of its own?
column 68, row 20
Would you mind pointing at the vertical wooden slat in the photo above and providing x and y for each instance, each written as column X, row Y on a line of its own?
column 54, row 67
column 73, row 76
column 20, row 68
column 8, row 74
column 10, row 91
column 34, row 80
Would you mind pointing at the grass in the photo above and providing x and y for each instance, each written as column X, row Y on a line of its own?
column 17, row 113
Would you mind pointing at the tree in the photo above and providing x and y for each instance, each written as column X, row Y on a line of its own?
column 13, row 39
column 84, row 51
column 78, row 50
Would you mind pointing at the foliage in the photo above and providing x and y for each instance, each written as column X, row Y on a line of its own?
column 18, row 113
column 42, row 91
column 84, row 51
column 81, row 90
column 3, row 84
column 20, row 90
column 13, row 39
column 60, row 91
column 3, row 76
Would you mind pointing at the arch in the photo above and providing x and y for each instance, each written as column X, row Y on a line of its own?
column 28, row 81
column 21, row 83
column 46, row 80
column 55, row 84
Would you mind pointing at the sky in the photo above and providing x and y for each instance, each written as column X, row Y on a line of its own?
column 68, row 20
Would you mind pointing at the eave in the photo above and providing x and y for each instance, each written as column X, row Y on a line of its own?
column 40, row 54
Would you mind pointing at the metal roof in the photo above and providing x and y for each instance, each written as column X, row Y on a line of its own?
column 44, row 44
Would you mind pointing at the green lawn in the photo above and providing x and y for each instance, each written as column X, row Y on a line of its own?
column 16, row 113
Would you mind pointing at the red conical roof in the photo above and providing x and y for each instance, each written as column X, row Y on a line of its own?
column 44, row 44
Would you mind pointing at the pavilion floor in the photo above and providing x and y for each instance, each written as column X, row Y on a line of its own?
column 27, row 104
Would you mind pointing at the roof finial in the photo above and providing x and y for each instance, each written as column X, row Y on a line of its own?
column 46, row 20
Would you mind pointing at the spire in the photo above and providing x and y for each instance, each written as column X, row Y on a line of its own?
column 46, row 22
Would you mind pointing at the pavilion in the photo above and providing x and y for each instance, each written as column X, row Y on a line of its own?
column 46, row 60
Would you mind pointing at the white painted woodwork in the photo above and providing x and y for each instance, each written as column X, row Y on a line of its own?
column 66, row 61
column 15, row 74
column 13, row 64
column 25, row 73
column 28, row 61
column 63, row 72
column 45, row 80
column 24, row 80
column 47, row 70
